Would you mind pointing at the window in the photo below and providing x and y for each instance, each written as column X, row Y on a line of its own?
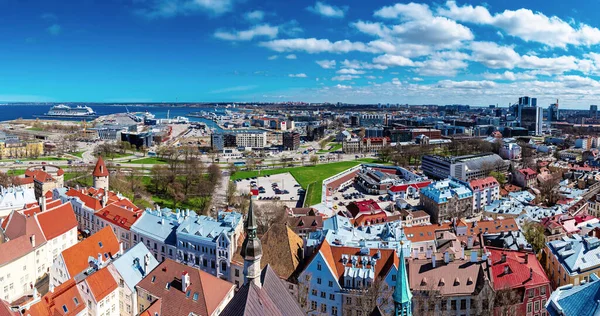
column 168, row 286
column 334, row 311
column 331, row 297
column 237, row 272
column 323, row 308
column 530, row 293
column 323, row 294
column 75, row 301
column 100, row 244
column 543, row 290
column 318, row 266
column 313, row 305
column 348, row 300
column 529, row 307
column 195, row 298
column 330, row 283
column 153, row 278
column 537, row 306
column 463, row 304
column 314, row 292
column 65, row 308
column 187, row 294
column 318, row 280
column 453, row 305
column 394, row 277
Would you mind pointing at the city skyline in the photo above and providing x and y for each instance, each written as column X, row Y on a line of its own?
column 313, row 51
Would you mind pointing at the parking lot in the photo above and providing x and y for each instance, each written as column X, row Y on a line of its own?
column 272, row 187
column 352, row 193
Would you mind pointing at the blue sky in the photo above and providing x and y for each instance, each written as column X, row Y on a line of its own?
column 316, row 51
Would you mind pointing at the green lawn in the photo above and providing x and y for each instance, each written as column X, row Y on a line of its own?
column 35, row 129
column 87, row 180
column 313, row 175
column 77, row 154
column 150, row 161
column 50, row 158
column 331, row 147
column 16, row 172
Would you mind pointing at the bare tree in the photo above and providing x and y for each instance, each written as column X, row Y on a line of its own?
column 314, row 159
column 268, row 214
column 376, row 294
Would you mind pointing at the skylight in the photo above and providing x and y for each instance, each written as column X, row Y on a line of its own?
column 100, row 244
column 65, row 309
column 195, row 298
column 76, row 301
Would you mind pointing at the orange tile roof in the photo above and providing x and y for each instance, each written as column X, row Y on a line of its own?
column 120, row 216
column 519, row 271
column 483, row 183
column 100, row 169
column 333, row 256
column 153, row 309
column 101, row 283
column 89, row 201
column 51, row 227
column 39, row 175
column 52, row 303
column 76, row 257
column 34, row 208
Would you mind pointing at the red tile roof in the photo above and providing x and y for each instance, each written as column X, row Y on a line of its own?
column 89, row 201
column 101, row 283
column 210, row 290
column 39, row 175
column 5, row 309
column 76, row 257
column 52, row 303
column 333, row 257
column 120, row 216
column 404, row 187
column 527, row 172
column 519, row 271
column 57, row 221
column 34, row 208
column 484, row 183
column 100, row 169
column 363, row 207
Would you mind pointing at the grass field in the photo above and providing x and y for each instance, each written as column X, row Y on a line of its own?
column 149, row 161
column 330, row 148
column 16, row 172
column 313, row 175
column 35, row 159
column 77, row 154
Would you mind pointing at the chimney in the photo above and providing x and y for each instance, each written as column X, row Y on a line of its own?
column 146, row 263
column 162, row 220
column 185, row 281
column 470, row 242
column 526, row 258
column 506, row 269
column 105, row 199
column 32, row 240
column 121, row 248
column 99, row 260
column 446, row 257
column 433, row 261
column 473, row 256
column 462, row 253
column 503, row 258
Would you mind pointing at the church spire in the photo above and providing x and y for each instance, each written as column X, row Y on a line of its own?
column 402, row 295
column 251, row 249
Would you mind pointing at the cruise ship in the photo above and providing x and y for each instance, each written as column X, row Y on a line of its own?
column 62, row 111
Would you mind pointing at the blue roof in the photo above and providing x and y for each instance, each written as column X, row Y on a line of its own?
column 441, row 191
column 576, row 254
column 208, row 228
column 131, row 265
column 582, row 300
column 159, row 224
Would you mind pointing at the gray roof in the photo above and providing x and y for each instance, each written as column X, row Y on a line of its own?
column 131, row 265
column 150, row 224
column 272, row 299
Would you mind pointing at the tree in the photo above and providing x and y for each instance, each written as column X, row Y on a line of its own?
column 231, row 190
column 269, row 214
column 534, row 234
column 175, row 191
column 7, row 180
column 385, row 154
column 314, row 159
column 214, row 173
column 499, row 176
column 377, row 294
column 549, row 193
column 362, row 133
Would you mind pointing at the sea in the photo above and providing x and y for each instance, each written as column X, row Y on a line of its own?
column 29, row 111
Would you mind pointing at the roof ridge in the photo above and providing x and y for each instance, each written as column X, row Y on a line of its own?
column 201, row 292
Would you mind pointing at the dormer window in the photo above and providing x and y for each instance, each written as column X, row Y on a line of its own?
column 65, row 309
column 100, row 244
column 76, row 301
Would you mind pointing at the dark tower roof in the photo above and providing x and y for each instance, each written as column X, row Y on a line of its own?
column 251, row 248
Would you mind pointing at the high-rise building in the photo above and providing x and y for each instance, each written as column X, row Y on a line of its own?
column 527, row 101
column 593, row 111
column 553, row 112
column 532, row 119
column 291, row 140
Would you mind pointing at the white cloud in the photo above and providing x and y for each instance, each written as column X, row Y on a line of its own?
column 446, row 63
column 254, row 16
column 327, row 10
column 370, row 77
column 54, row 29
column 344, row 77
column 484, row 84
column 417, row 79
column 326, row 64
column 396, row 81
column 411, row 10
column 263, row 30
column 551, row 64
column 313, row 46
column 273, row 57
column 350, row 71
column 393, row 60
column 291, row 56
column 356, row 64
column 343, row 87
column 300, row 75
column 169, row 8
column 494, row 56
column 527, row 25
column 509, row 75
